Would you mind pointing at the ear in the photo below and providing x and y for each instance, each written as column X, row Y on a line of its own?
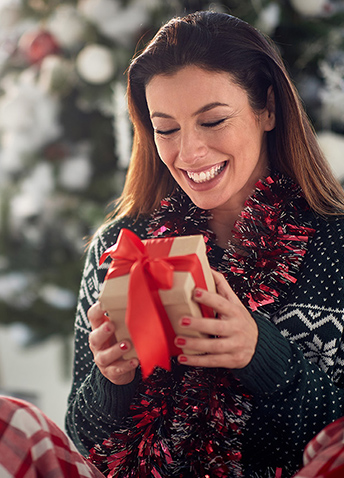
column 270, row 116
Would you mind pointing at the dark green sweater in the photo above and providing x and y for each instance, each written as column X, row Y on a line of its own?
column 295, row 377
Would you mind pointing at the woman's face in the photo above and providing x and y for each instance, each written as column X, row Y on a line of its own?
column 207, row 134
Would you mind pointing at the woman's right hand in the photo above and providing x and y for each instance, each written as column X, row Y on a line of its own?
column 107, row 352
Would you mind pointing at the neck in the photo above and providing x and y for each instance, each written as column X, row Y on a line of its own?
column 222, row 224
column 224, row 217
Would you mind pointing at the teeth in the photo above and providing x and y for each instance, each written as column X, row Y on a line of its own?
column 204, row 176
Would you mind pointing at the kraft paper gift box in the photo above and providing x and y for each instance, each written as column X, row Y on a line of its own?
column 149, row 287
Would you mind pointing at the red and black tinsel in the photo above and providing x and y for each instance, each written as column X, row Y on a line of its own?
column 270, row 236
column 189, row 422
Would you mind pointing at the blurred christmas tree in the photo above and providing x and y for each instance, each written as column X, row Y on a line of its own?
column 65, row 136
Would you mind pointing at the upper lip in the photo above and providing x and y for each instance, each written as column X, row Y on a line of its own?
column 204, row 169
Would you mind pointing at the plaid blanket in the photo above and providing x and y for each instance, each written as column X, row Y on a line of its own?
column 324, row 455
column 32, row 446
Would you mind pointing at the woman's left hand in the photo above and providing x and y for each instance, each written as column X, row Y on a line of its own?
column 235, row 329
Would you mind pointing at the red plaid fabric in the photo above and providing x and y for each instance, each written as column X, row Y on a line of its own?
column 324, row 455
column 32, row 446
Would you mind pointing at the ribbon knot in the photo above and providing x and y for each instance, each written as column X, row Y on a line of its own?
column 150, row 268
column 159, row 271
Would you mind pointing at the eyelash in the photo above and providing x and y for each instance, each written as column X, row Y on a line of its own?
column 215, row 123
column 206, row 125
column 166, row 133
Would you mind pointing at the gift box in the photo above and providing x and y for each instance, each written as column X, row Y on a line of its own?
column 148, row 288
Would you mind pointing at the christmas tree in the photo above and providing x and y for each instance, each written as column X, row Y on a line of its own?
column 65, row 136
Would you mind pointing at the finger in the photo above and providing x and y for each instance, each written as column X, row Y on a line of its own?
column 102, row 337
column 119, row 371
column 205, row 345
column 96, row 315
column 206, row 326
column 209, row 361
column 223, row 288
column 106, row 357
column 224, row 306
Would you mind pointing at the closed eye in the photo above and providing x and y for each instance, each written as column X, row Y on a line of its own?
column 214, row 123
column 166, row 132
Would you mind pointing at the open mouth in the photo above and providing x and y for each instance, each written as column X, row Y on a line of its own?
column 204, row 176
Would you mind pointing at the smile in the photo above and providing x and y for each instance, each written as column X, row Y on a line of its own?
column 205, row 176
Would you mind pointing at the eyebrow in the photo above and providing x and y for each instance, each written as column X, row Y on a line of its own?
column 203, row 109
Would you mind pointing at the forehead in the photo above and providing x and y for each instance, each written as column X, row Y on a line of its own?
column 191, row 86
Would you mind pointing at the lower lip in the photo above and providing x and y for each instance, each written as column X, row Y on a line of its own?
column 207, row 184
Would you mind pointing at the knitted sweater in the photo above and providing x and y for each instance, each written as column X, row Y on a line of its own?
column 295, row 377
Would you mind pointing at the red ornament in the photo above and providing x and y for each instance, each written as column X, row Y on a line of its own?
column 36, row 45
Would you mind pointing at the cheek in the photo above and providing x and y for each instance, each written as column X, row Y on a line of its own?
column 166, row 151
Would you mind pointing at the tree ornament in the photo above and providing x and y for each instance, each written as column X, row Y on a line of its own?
column 36, row 45
column 269, row 18
column 116, row 21
column 95, row 64
column 68, row 26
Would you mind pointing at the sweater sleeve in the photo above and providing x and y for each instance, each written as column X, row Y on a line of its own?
column 293, row 399
column 296, row 374
column 95, row 405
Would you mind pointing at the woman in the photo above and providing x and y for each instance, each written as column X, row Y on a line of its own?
column 222, row 147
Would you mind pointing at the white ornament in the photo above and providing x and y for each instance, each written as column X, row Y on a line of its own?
column 269, row 18
column 95, row 64
column 68, row 26
column 115, row 21
column 332, row 145
column 75, row 173
column 312, row 8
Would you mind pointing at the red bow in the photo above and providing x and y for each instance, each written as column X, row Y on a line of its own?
column 150, row 269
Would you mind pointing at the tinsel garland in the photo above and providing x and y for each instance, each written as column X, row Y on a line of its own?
column 188, row 422
column 270, row 238
column 178, row 216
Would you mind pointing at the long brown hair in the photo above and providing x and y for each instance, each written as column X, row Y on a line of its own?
column 221, row 42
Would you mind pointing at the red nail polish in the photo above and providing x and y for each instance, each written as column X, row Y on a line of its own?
column 186, row 321
column 180, row 341
column 198, row 293
column 182, row 359
column 123, row 346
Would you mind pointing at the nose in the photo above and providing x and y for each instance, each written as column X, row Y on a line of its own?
column 192, row 147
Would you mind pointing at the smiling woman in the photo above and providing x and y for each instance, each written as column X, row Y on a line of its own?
column 211, row 140
column 222, row 147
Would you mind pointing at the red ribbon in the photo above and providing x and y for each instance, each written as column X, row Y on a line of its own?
column 150, row 269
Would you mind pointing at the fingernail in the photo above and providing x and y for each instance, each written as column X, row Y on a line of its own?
column 198, row 293
column 180, row 341
column 182, row 359
column 186, row 321
column 107, row 327
column 133, row 363
column 123, row 346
